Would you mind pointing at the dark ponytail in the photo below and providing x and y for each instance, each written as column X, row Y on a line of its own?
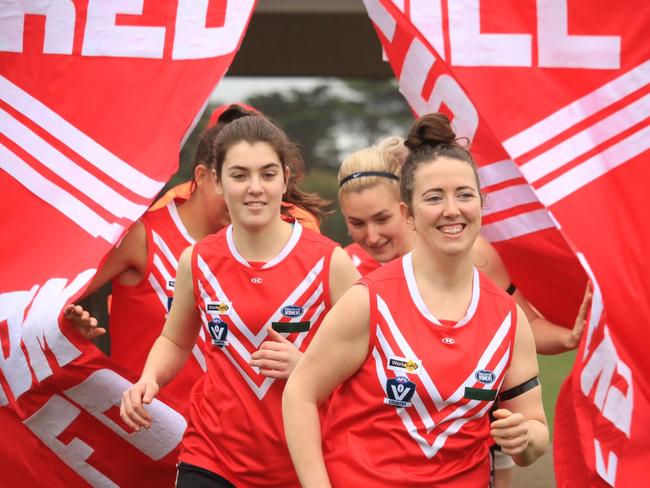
column 429, row 138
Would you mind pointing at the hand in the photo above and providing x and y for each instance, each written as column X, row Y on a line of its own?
column 276, row 357
column 581, row 319
column 131, row 410
column 84, row 323
column 510, row 431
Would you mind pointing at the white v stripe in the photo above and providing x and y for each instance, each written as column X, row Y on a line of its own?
column 256, row 340
column 407, row 351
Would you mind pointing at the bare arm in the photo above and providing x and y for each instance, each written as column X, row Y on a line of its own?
column 336, row 353
column 128, row 260
column 343, row 274
column 520, row 428
column 170, row 351
column 550, row 338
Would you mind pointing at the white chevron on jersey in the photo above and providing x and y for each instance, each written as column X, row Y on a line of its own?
column 407, row 265
column 455, row 416
column 407, row 351
column 296, row 232
column 256, row 340
column 313, row 314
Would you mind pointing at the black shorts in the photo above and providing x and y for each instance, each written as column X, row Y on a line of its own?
column 190, row 476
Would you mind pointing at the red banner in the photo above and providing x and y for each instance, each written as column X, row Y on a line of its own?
column 95, row 99
column 565, row 90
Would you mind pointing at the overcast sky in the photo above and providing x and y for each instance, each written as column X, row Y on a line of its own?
column 237, row 88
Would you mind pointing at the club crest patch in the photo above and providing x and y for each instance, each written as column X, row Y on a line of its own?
column 218, row 330
column 399, row 392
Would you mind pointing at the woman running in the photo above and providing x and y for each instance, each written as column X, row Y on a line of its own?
column 260, row 289
column 421, row 349
column 370, row 202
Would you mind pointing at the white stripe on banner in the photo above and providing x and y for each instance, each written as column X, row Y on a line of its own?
column 57, row 162
column 587, row 139
column 518, row 225
column 506, row 198
column 594, row 167
column 380, row 16
column 64, row 202
column 498, row 172
column 79, row 142
column 579, row 110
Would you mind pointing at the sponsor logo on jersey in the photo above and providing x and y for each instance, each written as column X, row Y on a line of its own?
column 404, row 365
column 218, row 330
column 171, row 284
column 485, row 376
column 222, row 308
column 292, row 311
column 399, row 392
column 448, row 340
column 256, row 280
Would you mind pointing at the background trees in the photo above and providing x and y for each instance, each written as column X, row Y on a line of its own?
column 328, row 121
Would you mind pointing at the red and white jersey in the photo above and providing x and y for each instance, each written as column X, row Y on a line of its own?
column 364, row 262
column 235, row 427
column 138, row 312
column 416, row 413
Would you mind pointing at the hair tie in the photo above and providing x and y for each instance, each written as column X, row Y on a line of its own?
column 360, row 174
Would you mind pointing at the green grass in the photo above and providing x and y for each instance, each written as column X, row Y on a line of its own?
column 553, row 370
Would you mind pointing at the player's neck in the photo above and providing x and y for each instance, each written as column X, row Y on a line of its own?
column 262, row 244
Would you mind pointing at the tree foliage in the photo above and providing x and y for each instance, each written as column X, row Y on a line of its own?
column 328, row 122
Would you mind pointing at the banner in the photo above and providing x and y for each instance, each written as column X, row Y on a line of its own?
column 564, row 88
column 95, row 100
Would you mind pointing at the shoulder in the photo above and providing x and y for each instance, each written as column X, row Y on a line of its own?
column 494, row 293
column 390, row 271
column 212, row 241
column 313, row 237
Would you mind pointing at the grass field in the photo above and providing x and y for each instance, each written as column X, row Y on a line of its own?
column 553, row 372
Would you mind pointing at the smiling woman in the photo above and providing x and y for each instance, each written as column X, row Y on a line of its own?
column 419, row 350
column 260, row 288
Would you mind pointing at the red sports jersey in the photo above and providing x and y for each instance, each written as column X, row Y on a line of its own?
column 364, row 262
column 138, row 312
column 235, row 427
column 416, row 413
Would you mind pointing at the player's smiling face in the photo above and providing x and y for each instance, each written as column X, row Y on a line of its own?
column 252, row 183
column 375, row 221
column 446, row 205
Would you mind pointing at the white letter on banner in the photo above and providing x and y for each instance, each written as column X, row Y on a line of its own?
column 193, row 40
column 426, row 15
column 447, row 90
column 41, row 327
column 382, row 18
column 615, row 405
column 558, row 49
column 417, row 64
column 608, row 473
column 471, row 48
column 103, row 389
column 49, row 422
column 104, row 38
column 14, row 366
column 59, row 25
